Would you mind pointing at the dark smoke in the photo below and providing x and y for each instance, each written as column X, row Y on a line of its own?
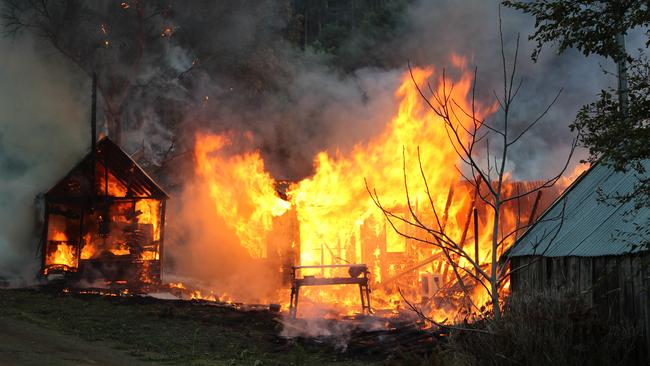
column 250, row 78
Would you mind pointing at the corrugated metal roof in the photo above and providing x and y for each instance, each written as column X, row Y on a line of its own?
column 589, row 227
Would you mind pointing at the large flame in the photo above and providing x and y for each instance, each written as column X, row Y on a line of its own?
column 339, row 222
column 242, row 191
column 333, row 204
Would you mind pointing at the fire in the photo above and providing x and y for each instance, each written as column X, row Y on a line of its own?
column 167, row 32
column 114, row 187
column 334, row 204
column 88, row 250
column 149, row 214
column 339, row 222
column 242, row 191
column 65, row 253
column 566, row 180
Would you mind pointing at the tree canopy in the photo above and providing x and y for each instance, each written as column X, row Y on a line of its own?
column 591, row 26
column 615, row 134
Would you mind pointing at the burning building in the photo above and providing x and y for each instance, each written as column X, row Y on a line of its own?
column 104, row 221
column 328, row 221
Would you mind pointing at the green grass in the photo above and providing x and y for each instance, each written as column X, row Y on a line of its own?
column 169, row 332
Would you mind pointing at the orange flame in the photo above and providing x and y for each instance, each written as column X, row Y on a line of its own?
column 568, row 178
column 339, row 222
column 65, row 254
column 242, row 191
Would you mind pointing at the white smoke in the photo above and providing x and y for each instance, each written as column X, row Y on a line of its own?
column 310, row 107
column 44, row 131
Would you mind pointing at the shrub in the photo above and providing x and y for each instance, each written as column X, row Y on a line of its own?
column 547, row 328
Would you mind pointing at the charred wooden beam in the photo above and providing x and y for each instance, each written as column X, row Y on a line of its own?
column 533, row 211
column 450, row 198
column 412, row 268
column 46, row 225
column 161, row 245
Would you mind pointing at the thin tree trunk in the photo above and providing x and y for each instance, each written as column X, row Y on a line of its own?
column 494, row 284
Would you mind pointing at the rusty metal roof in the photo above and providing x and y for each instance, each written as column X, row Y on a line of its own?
column 589, row 227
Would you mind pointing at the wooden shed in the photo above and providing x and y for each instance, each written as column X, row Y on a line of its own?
column 104, row 222
column 590, row 245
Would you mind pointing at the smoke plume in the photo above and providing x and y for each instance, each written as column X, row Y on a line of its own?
column 43, row 131
column 228, row 67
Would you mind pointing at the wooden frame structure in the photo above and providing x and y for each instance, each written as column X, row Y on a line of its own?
column 105, row 221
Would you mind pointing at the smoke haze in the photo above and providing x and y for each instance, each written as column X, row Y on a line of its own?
column 43, row 131
column 295, row 103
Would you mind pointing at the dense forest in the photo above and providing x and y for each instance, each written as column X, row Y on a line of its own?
column 352, row 32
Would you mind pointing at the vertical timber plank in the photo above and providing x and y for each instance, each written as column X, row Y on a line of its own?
column 599, row 277
column 612, row 288
column 573, row 275
column 639, row 304
column 586, row 280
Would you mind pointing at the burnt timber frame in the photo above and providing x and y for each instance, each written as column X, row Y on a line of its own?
column 297, row 283
column 85, row 199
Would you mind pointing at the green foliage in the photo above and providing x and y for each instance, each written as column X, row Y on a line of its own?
column 621, row 138
column 618, row 135
column 591, row 26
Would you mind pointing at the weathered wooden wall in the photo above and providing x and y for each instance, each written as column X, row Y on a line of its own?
column 617, row 286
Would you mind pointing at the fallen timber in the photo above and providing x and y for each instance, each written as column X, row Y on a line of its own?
column 368, row 335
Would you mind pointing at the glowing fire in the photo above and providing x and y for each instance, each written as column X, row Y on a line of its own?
column 338, row 221
column 336, row 212
column 570, row 177
column 65, row 253
column 88, row 250
column 149, row 214
column 242, row 191
column 114, row 188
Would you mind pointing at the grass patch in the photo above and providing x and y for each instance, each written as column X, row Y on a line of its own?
column 169, row 332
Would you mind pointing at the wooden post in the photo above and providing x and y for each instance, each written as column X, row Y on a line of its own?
column 81, row 236
column 450, row 198
column 531, row 218
column 45, row 235
column 161, row 242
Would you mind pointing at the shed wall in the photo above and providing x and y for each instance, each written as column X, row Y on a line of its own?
column 617, row 286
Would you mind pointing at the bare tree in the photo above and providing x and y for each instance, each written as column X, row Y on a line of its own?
column 153, row 57
column 115, row 40
column 487, row 175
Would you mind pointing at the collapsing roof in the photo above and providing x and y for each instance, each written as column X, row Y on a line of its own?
column 105, row 221
column 589, row 227
column 119, row 163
